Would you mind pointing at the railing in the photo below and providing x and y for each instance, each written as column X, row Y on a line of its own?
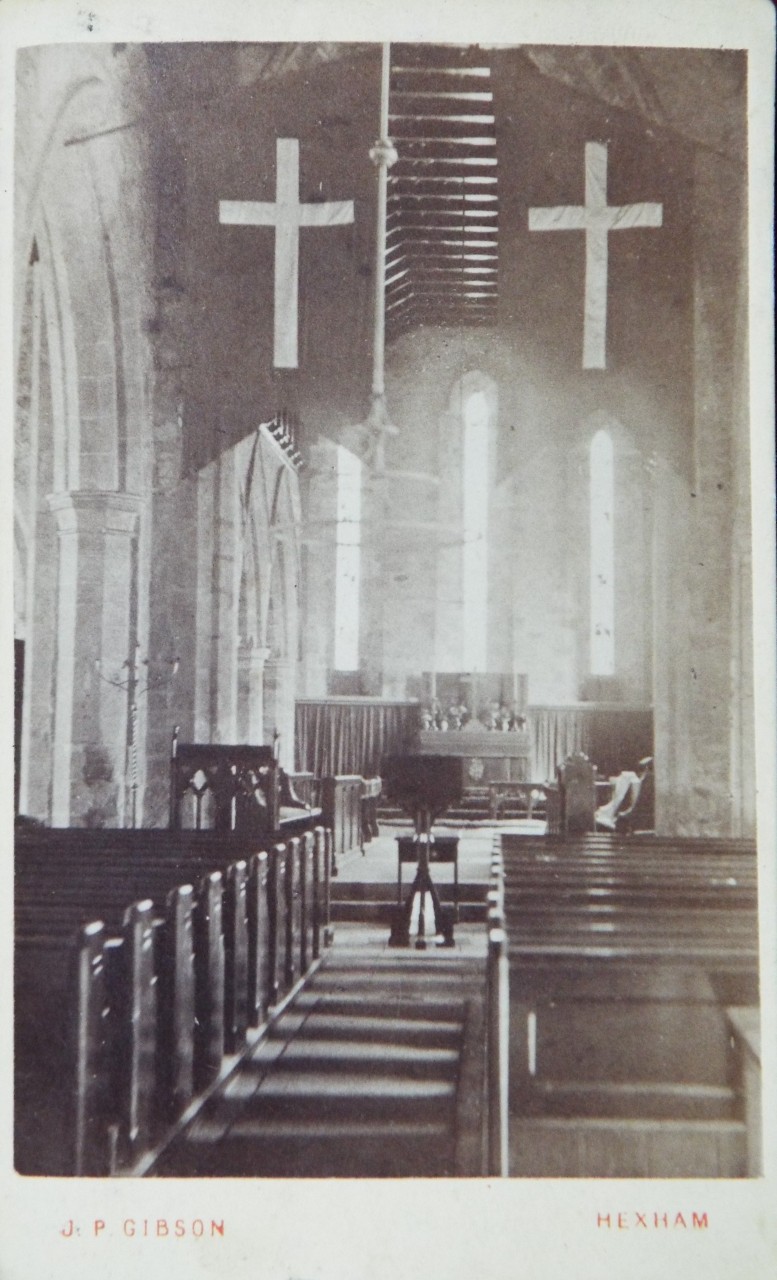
column 497, row 1028
column 164, row 1013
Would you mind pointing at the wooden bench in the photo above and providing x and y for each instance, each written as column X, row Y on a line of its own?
column 530, row 794
column 625, row 954
column 122, row 1031
column 341, row 813
column 745, row 1025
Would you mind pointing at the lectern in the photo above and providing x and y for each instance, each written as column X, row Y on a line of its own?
column 424, row 786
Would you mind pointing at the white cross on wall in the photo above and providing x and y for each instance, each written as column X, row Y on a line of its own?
column 596, row 218
column 287, row 215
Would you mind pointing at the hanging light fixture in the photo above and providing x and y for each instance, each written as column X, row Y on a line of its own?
column 372, row 433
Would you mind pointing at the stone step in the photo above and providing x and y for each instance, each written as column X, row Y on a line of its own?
column 362, row 910
column 386, row 891
column 414, row 1061
column 322, row 1148
column 633, row 1099
column 358, row 1027
column 551, row 1147
column 379, row 1005
column 403, row 965
column 351, row 1095
column 359, row 1078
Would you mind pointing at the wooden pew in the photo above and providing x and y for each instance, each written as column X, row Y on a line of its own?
column 236, row 957
column 87, row 1104
column 155, row 1011
column 258, row 917
column 176, row 997
column 64, row 877
column 132, row 986
column 341, row 813
column 624, row 955
column 745, row 1025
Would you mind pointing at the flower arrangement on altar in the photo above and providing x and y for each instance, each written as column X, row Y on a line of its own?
column 493, row 716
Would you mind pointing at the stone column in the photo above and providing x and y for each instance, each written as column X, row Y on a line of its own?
column 373, row 595
column 251, row 661
column 696, row 701
column 717, row 266
column 94, row 647
column 279, row 695
column 318, row 579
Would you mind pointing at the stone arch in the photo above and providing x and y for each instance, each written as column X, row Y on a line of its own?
column 78, row 271
column 472, row 381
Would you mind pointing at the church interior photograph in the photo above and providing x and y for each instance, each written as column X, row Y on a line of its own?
column 385, row 768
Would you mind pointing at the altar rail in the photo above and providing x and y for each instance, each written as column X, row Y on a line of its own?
column 157, row 1013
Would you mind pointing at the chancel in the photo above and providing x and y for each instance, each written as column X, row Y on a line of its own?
column 304, row 439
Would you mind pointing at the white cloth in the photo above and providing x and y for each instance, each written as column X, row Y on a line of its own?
column 627, row 784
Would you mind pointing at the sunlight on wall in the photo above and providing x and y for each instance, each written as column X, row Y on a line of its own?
column 602, row 490
column 348, row 560
column 475, row 560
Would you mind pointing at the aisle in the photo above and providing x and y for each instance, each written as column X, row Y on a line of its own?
column 373, row 1072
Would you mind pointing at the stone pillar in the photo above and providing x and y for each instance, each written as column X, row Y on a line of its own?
column 700, row 621
column 279, row 697
column 251, row 661
column 94, row 647
column 318, row 577
column 672, row 659
column 717, row 241
column 373, row 596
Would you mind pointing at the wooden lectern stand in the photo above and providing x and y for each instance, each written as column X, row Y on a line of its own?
column 424, row 786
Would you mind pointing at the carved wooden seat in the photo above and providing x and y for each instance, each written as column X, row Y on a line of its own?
column 577, row 788
column 227, row 787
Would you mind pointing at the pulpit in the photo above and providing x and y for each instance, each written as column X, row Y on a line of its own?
column 424, row 786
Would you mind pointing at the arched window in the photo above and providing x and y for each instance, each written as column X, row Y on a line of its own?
column 348, row 560
column 476, row 415
column 602, row 567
